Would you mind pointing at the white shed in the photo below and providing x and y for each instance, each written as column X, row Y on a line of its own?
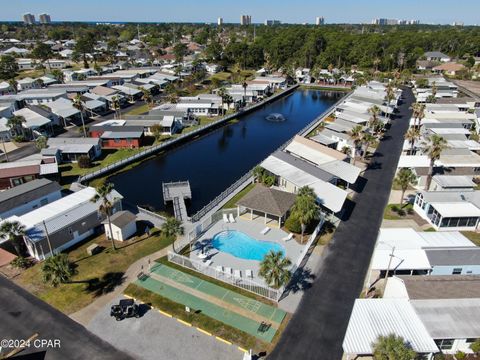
column 123, row 225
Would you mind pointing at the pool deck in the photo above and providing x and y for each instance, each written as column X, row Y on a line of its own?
column 253, row 229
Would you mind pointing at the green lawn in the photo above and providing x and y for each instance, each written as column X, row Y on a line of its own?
column 472, row 236
column 72, row 170
column 391, row 214
column 30, row 73
column 231, row 203
column 139, row 110
column 222, row 76
column 97, row 274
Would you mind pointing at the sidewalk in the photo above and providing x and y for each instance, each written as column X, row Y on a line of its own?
column 85, row 315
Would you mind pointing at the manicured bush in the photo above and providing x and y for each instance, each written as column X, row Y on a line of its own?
column 476, row 346
column 460, row 355
column 401, row 212
column 293, row 224
column 395, row 208
column 21, row 262
column 84, row 162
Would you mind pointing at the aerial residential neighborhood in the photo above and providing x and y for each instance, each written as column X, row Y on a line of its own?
column 193, row 181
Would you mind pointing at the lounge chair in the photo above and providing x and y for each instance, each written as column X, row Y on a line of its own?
column 249, row 273
column 208, row 262
column 231, row 218
column 264, row 231
column 238, row 274
column 228, row 271
column 225, row 218
column 219, row 268
column 288, row 237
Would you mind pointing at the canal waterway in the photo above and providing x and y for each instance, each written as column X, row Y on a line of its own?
column 216, row 160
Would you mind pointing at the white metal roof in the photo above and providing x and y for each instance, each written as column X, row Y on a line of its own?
column 329, row 195
column 449, row 318
column 372, row 318
column 61, row 213
column 342, row 170
column 408, row 238
column 403, row 259
column 441, row 131
column 413, row 161
column 32, row 119
column 126, row 90
column 459, row 209
column 455, row 181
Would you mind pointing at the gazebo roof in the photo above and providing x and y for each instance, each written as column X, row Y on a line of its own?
column 267, row 200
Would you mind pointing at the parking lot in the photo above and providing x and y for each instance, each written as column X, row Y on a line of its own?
column 155, row 336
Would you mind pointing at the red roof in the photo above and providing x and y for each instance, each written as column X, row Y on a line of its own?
column 20, row 171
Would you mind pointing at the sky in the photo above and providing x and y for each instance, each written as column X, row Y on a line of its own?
column 288, row 11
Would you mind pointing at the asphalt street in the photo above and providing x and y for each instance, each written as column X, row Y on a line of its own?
column 317, row 329
column 23, row 315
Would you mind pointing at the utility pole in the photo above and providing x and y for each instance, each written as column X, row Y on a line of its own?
column 48, row 238
column 4, row 149
column 388, row 269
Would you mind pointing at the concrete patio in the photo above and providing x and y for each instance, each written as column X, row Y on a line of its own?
column 293, row 250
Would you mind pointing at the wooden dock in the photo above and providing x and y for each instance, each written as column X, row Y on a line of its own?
column 177, row 192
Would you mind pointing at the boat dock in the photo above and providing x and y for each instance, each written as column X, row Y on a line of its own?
column 177, row 192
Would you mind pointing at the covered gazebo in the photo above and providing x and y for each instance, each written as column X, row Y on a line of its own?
column 266, row 202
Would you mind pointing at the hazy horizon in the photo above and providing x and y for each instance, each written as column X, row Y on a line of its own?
column 207, row 11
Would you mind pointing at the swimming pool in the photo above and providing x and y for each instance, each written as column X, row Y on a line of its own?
column 241, row 245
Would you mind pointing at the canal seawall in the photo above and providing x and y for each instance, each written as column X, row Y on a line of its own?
column 247, row 178
column 182, row 138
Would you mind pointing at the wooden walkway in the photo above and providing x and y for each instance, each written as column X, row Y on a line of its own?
column 177, row 192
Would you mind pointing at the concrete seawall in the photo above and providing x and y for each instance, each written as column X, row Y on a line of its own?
column 182, row 138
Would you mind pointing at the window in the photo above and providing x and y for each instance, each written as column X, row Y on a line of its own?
column 470, row 340
column 457, row 271
column 70, row 231
column 44, row 202
column 444, row 344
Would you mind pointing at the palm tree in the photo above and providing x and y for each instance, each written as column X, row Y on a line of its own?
column 77, row 102
column 367, row 140
column 13, row 230
column 412, row 135
column 244, row 85
column 172, row 227
column 305, row 207
column 356, row 136
column 147, row 96
column 15, row 123
column 433, row 147
column 104, row 195
column 418, row 113
column 392, row 347
column 222, row 92
column 404, row 179
column 374, row 111
column 115, row 105
column 390, row 95
column 41, row 142
column 14, row 85
column 58, row 75
column 274, row 269
column 57, row 270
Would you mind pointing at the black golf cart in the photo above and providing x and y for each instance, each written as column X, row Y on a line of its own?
column 126, row 308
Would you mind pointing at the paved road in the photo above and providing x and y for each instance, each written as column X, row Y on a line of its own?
column 157, row 337
column 318, row 327
column 22, row 315
column 17, row 154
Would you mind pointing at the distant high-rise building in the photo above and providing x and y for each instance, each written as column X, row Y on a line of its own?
column 272, row 22
column 383, row 21
column 319, row 20
column 457, row 23
column 220, row 21
column 245, row 20
column 44, row 19
column 28, row 19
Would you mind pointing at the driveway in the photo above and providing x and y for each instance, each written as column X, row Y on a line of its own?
column 317, row 329
column 157, row 337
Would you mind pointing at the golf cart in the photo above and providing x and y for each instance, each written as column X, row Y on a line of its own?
column 126, row 308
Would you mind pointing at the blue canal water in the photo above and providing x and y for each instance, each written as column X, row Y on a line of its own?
column 215, row 161
column 241, row 245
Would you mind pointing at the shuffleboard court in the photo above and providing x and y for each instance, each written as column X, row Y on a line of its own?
column 214, row 311
column 267, row 311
